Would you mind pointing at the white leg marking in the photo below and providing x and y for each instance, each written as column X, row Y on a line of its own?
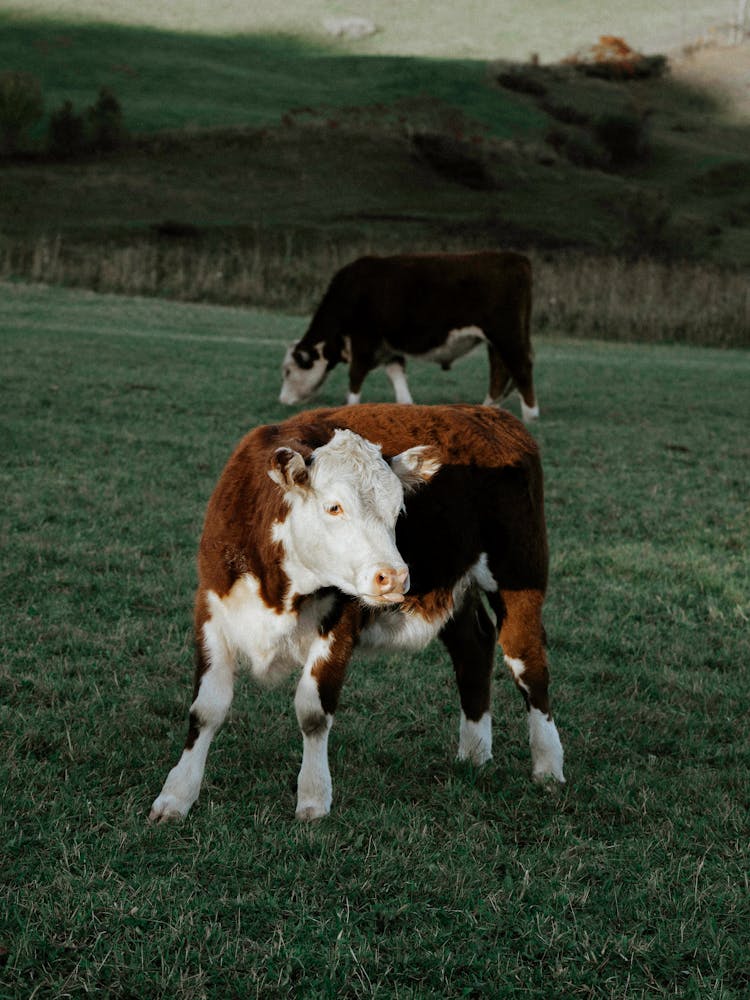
column 211, row 706
column 352, row 398
column 529, row 412
column 517, row 668
column 397, row 375
column 546, row 749
column 314, row 785
column 475, row 739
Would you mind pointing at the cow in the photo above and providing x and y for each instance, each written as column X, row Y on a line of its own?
column 370, row 527
column 437, row 307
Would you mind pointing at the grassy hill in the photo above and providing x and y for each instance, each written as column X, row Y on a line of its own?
column 275, row 147
column 508, row 29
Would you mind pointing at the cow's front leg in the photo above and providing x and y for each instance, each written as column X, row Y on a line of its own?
column 396, row 372
column 315, row 702
column 522, row 639
column 359, row 367
column 214, row 688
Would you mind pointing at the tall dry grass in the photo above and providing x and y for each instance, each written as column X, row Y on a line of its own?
column 583, row 296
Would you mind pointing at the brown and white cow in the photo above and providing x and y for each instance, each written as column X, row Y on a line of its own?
column 370, row 527
column 437, row 307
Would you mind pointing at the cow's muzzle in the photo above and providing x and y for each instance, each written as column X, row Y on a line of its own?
column 389, row 585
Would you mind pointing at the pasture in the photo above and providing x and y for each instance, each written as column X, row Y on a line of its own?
column 429, row 878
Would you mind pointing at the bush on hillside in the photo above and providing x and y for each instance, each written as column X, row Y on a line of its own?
column 21, row 106
column 522, row 81
column 579, row 147
column 611, row 58
column 455, row 160
column 106, row 129
column 100, row 130
column 66, row 135
column 625, row 137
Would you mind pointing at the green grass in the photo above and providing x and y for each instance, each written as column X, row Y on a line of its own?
column 173, row 80
column 240, row 135
column 428, row 879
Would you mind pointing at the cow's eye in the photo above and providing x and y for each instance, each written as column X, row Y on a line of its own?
column 335, row 509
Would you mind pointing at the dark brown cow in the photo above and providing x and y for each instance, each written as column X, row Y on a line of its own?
column 374, row 526
column 437, row 307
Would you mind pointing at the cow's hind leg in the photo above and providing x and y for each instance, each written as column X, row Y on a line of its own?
column 470, row 638
column 214, row 688
column 522, row 640
column 513, row 369
column 501, row 382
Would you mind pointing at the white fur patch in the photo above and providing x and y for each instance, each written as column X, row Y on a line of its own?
column 517, row 668
column 397, row 375
column 528, row 412
column 481, row 573
column 274, row 644
column 298, row 384
column 475, row 739
column 214, row 699
column 397, row 630
column 457, row 344
column 546, row 749
column 314, row 785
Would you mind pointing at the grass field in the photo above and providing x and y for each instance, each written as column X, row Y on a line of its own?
column 428, row 879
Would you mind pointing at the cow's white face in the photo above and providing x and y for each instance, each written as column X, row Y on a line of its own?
column 303, row 371
column 340, row 529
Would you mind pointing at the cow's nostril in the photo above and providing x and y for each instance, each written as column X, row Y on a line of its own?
column 388, row 579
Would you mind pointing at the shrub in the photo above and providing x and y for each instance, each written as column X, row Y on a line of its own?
column 66, row 136
column 454, row 159
column 578, row 147
column 522, row 82
column 565, row 113
column 725, row 178
column 624, row 136
column 106, row 128
column 21, row 105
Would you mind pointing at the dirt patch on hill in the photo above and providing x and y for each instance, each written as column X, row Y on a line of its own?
column 723, row 69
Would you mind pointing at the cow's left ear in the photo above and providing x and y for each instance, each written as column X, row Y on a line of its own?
column 289, row 470
column 416, row 466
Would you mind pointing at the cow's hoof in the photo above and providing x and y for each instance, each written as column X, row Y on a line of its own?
column 548, row 779
column 476, row 757
column 166, row 810
column 310, row 811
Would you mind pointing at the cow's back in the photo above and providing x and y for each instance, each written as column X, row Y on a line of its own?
column 414, row 300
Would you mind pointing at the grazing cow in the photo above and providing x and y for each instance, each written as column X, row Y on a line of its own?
column 438, row 307
column 374, row 526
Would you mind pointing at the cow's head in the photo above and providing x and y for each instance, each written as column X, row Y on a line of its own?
column 302, row 372
column 340, row 529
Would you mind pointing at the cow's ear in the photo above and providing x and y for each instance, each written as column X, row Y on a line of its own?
column 289, row 470
column 416, row 466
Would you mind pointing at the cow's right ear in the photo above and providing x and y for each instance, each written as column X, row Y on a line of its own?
column 289, row 470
